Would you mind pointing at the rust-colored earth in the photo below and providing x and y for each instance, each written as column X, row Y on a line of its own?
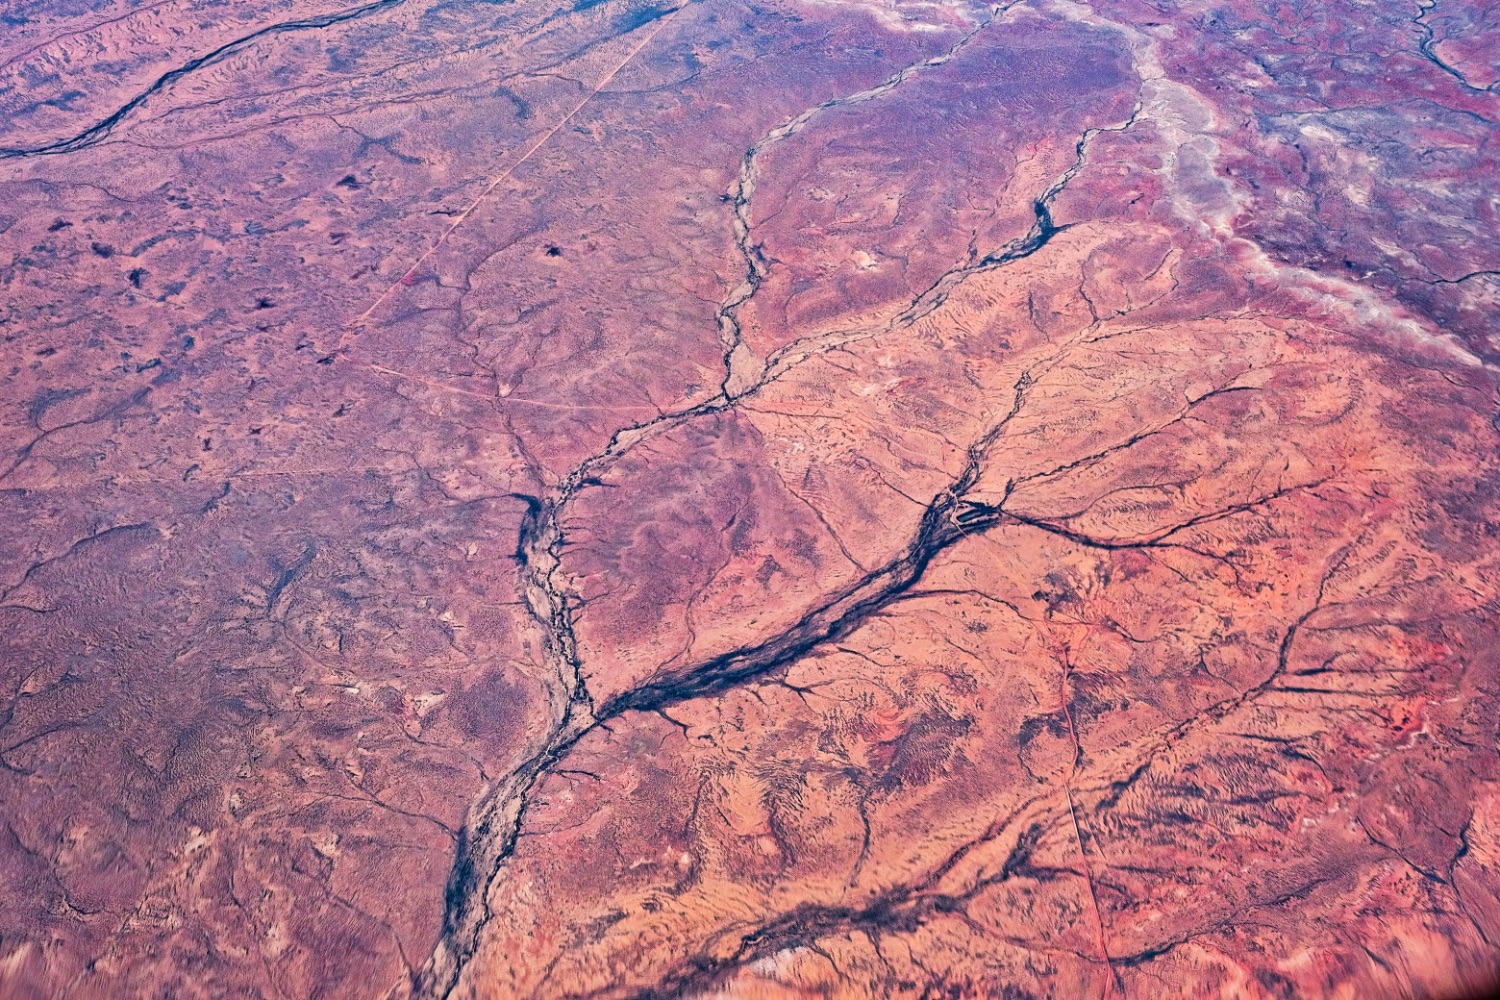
column 803, row 499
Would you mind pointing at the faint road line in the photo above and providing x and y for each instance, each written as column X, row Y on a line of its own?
column 493, row 397
column 501, row 177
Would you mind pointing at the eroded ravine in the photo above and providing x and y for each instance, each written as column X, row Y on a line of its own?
column 490, row 834
column 1064, row 514
column 101, row 130
column 739, row 363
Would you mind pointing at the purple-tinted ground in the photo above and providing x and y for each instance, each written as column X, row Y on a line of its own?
column 800, row 500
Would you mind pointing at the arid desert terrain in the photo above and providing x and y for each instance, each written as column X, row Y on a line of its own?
column 789, row 499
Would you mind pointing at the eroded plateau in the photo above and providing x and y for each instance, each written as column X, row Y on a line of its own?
column 800, row 499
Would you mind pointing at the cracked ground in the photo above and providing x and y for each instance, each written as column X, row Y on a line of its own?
column 798, row 499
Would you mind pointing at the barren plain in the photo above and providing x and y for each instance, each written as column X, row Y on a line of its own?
column 788, row 499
